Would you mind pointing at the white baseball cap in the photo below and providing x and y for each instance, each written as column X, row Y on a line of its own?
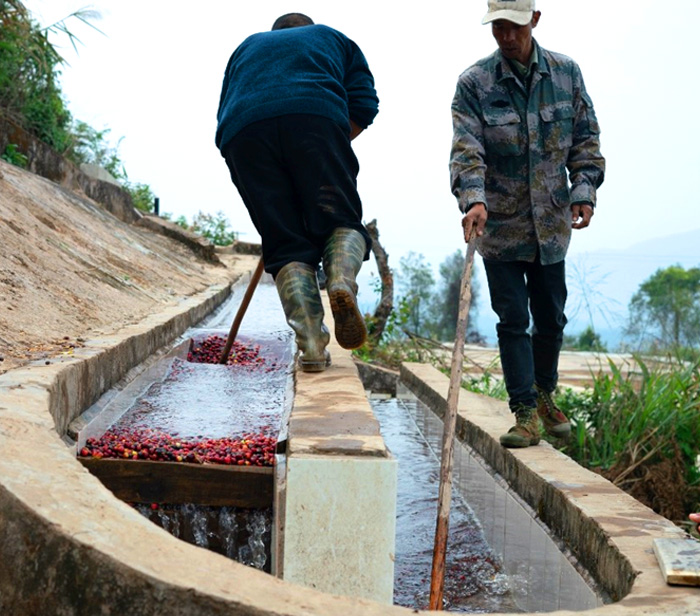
column 517, row 11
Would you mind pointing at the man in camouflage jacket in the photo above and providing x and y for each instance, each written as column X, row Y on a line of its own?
column 525, row 166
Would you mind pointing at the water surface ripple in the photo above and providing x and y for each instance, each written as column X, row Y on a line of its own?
column 474, row 582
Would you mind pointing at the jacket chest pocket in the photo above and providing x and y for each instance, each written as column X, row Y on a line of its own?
column 557, row 127
column 503, row 134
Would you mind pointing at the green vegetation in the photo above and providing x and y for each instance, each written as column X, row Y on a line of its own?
column 215, row 227
column 427, row 308
column 587, row 340
column 29, row 74
column 31, row 96
column 92, row 146
column 664, row 314
column 424, row 313
column 640, row 428
column 13, row 156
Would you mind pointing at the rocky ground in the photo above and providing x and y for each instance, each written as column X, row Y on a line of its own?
column 70, row 271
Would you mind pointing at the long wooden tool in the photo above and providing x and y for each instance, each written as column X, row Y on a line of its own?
column 437, row 578
column 233, row 332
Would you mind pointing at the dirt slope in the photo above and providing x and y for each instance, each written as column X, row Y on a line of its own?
column 70, row 270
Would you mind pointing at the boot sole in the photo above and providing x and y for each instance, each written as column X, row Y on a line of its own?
column 350, row 330
column 518, row 444
column 313, row 366
column 559, row 431
column 316, row 365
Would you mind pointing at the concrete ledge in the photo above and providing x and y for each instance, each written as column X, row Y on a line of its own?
column 331, row 414
column 338, row 525
column 610, row 532
column 46, row 162
column 201, row 246
column 240, row 248
column 377, row 379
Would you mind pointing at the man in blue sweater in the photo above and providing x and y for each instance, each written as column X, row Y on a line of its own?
column 291, row 102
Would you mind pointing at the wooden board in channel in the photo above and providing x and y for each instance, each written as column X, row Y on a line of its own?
column 145, row 481
column 679, row 560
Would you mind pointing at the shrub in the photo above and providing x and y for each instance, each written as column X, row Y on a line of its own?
column 640, row 428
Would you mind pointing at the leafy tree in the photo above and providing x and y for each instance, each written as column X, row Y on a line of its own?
column 587, row 340
column 665, row 311
column 445, row 305
column 31, row 95
column 29, row 71
column 215, row 227
column 415, row 282
column 91, row 146
column 141, row 195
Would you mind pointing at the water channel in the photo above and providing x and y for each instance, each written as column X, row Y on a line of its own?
column 202, row 401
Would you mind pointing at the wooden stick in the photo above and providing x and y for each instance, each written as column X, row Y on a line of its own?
column 437, row 578
column 233, row 332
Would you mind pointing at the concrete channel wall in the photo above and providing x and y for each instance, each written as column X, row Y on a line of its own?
column 68, row 546
column 610, row 533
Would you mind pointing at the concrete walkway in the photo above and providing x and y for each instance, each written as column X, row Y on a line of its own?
column 576, row 369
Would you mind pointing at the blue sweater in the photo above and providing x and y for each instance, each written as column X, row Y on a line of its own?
column 307, row 70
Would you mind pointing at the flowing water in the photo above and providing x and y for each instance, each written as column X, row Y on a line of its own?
column 214, row 401
column 210, row 401
column 474, row 579
column 243, row 535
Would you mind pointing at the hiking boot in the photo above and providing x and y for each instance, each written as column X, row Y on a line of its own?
column 301, row 299
column 554, row 421
column 342, row 259
column 526, row 430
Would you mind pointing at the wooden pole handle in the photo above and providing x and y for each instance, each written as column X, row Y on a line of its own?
column 437, row 578
column 233, row 332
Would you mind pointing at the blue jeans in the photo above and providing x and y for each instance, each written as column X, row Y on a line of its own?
column 518, row 289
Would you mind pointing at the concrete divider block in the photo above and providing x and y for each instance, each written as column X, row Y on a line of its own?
column 340, row 525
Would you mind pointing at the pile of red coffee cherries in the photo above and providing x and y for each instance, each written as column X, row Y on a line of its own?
column 209, row 351
column 146, row 444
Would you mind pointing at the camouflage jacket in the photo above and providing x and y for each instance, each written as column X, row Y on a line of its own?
column 512, row 151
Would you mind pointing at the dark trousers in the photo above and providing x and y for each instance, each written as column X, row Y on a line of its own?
column 297, row 175
column 518, row 288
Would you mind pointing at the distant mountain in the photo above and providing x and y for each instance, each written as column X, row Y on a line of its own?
column 602, row 283
column 679, row 246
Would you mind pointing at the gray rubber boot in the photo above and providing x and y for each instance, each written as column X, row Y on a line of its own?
column 342, row 260
column 298, row 290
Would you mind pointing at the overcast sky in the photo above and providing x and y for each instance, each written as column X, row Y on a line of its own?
column 154, row 79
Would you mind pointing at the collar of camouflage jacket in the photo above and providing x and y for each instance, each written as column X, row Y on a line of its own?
column 504, row 70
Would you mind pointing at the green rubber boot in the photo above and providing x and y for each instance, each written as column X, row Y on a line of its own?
column 298, row 290
column 342, row 260
column 526, row 430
